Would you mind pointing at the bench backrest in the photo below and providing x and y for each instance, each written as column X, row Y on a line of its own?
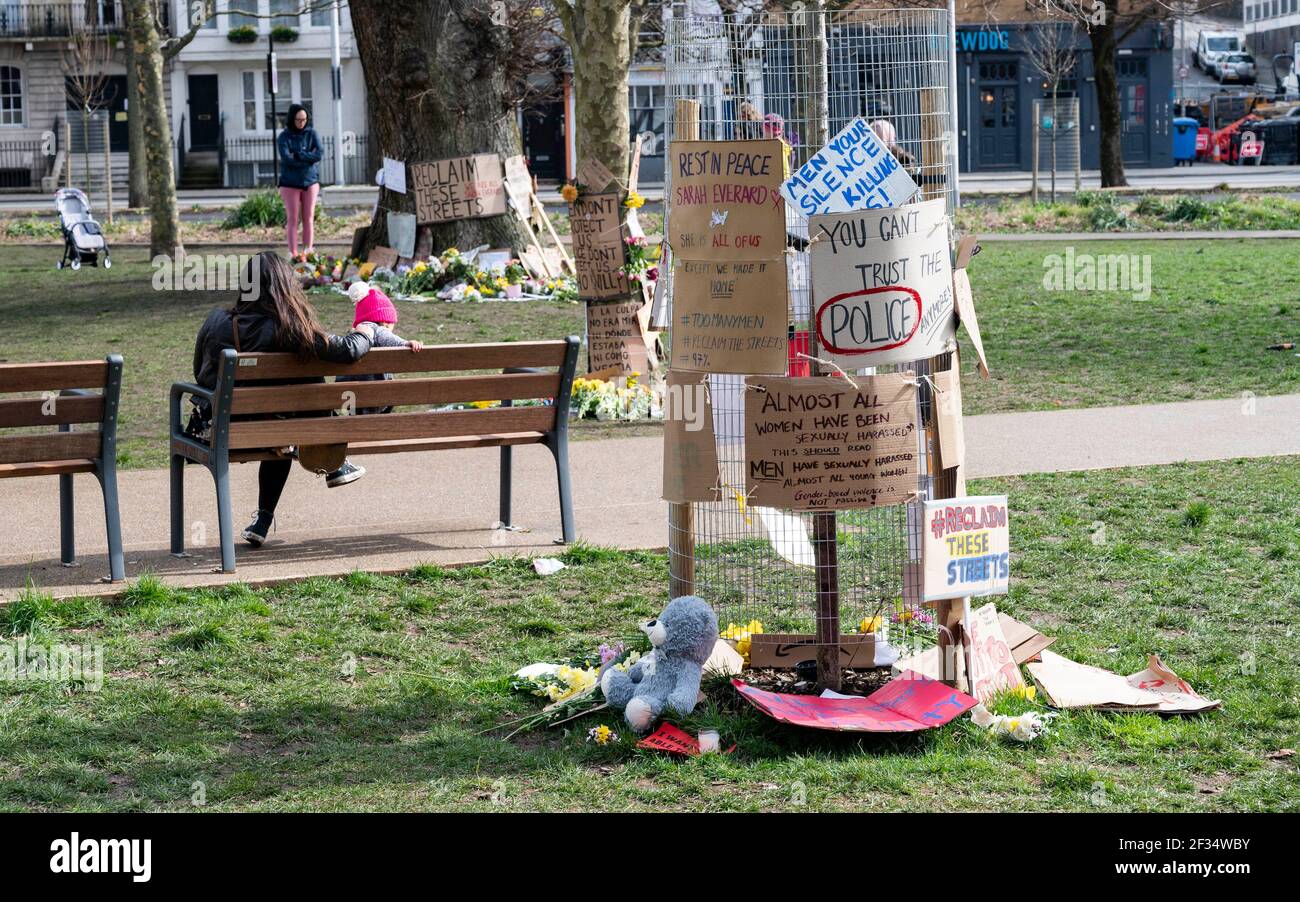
column 532, row 370
column 77, row 392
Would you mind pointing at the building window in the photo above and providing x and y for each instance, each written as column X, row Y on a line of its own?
column 11, row 95
column 295, row 87
column 1131, row 67
column 250, row 101
column 286, row 13
column 320, row 15
column 238, row 8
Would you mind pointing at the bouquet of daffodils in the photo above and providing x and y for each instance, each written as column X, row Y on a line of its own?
column 624, row 398
column 571, row 689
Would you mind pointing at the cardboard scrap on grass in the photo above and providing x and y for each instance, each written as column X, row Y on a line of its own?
column 785, row 650
column 821, row 444
column 1025, row 642
column 385, row 257
column 994, row 668
column 1068, row 684
column 904, row 705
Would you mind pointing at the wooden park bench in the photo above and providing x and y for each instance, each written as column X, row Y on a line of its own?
column 255, row 421
column 75, row 393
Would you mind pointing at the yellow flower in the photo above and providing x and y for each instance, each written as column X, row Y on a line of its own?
column 569, row 193
column 365, row 270
column 420, row 267
column 601, row 734
column 482, row 405
column 1025, row 692
column 870, row 625
column 741, row 636
column 634, row 201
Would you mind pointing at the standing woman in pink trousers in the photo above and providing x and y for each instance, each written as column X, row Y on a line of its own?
column 300, row 155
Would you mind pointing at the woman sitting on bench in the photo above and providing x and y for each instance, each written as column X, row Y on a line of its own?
column 272, row 314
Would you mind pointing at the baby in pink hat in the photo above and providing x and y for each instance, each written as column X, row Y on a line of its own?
column 375, row 308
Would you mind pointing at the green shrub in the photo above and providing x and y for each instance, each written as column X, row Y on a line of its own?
column 1105, row 213
column 1151, row 205
column 283, row 34
column 31, row 227
column 263, row 207
column 1188, row 209
column 242, row 34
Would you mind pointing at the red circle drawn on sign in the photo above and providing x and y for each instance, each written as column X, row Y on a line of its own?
column 916, row 298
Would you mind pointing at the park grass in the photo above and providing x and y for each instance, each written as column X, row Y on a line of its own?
column 380, row 692
column 1214, row 308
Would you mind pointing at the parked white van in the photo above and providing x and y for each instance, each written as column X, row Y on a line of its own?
column 1213, row 45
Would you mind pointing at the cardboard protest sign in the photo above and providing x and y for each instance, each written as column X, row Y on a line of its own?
column 385, row 257
column 965, row 300
column 594, row 175
column 992, row 664
column 401, row 233
column 821, row 444
column 965, row 547
column 395, row 175
column 947, row 415
column 854, row 171
column 882, row 285
column 690, row 451
column 785, row 650
column 726, row 203
column 1068, row 684
column 459, row 188
column 519, row 185
column 614, row 337
column 598, row 249
column 730, row 316
column 904, row 705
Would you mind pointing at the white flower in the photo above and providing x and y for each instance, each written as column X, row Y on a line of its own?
column 533, row 671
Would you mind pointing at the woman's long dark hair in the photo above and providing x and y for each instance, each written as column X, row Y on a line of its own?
column 273, row 290
column 292, row 115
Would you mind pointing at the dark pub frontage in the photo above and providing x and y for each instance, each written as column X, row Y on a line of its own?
column 998, row 83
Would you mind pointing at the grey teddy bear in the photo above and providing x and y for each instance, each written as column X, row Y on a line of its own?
column 683, row 637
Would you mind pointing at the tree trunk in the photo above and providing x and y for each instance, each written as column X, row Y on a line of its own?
column 598, row 33
column 138, row 177
column 165, row 220
column 1102, row 39
column 433, row 69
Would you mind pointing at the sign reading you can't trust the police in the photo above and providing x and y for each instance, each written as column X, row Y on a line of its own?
column 882, row 285
column 854, row 171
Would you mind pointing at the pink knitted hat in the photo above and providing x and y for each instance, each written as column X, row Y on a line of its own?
column 375, row 307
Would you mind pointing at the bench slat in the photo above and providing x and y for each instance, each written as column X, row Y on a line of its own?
column 16, row 377
column 47, row 468
column 23, row 449
column 441, row 358
column 67, row 409
column 418, row 444
column 398, row 392
column 328, row 430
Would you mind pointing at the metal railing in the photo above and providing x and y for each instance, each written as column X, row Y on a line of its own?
column 22, row 163
column 249, row 162
column 55, row 20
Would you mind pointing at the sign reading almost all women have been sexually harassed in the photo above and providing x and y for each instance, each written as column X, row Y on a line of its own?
column 882, row 285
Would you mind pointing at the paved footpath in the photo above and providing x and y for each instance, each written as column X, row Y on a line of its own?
column 441, row 507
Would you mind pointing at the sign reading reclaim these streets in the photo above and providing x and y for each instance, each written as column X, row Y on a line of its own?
column 819, row 444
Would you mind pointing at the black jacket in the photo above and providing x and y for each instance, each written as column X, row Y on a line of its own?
column 257, row 333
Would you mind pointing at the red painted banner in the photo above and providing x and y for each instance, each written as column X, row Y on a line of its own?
column 909, row 703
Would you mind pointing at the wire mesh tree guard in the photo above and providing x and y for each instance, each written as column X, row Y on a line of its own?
column 804, row 75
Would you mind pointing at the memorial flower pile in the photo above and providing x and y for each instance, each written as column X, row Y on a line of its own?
column 453, row 276
column 321, row 269
column 623, row 398
column 571, row 688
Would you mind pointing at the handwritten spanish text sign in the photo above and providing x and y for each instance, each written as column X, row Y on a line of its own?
column 882, row 285
column 965, row 547
column 817, row 444
column 614, row 337
column 906, row 704
column 726, row 202
column 459, row 188
column 730, row 316
column 598, row 248
column 854, row 171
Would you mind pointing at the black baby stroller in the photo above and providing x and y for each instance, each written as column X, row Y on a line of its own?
column 83, row 239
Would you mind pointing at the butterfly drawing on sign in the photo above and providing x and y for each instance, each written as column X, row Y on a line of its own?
column 719, row 217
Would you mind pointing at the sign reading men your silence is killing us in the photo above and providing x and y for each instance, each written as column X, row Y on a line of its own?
column 854, row 171
column 820, row 444
column 882, row 285
column 727, row 231
column 459, row 188
column 965, row 547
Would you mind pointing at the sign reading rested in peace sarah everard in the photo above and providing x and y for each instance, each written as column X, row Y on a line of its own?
column 815, row 444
